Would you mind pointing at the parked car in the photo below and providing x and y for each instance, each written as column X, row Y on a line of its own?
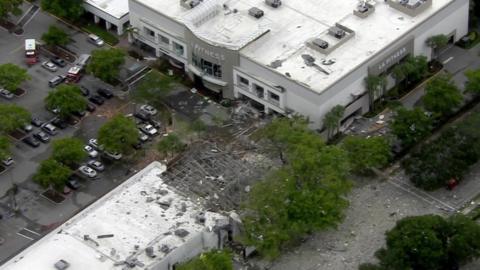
column 27, row 128
column 49, row 129
column 8, row 161
column 94, row 144
column 59, row 123
column 90, row 107
column 73, row 183
column 6, row 94
column 56, row 80
column 97, row 165
column 149, row 130
column 50, row 66
column 58, row 61
column 85, row 91
column 90, row 151
column 87, row 171
column 137, row 145
column 31, row 141
column 105, row 93
column 37, row 121
column 95, row 40
column 96, row 99
column 42, row 136
column 154, row 123
column 142, row 136
column 142, row 115
column 80, row 114
column 113, row 155
column 148, row 109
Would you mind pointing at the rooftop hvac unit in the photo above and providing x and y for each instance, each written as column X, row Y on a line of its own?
column 274, row 3
column 336, row 32
column 320, row 43
column 255, row 12
column 189, row 4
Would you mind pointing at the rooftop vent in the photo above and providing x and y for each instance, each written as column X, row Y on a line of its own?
column 336, row 32
column 329, row 40
column 410, row 7
column 320, row 43
column 256, row 12
column 189, row 4
column 274, row 3
column 61, row 265
column 364, row 9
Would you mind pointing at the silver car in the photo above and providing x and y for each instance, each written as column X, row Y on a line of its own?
column 87, row 171
column 95, row 40
column 49, row 66
column 6, row 94
column 91, row 151
column 97, row 165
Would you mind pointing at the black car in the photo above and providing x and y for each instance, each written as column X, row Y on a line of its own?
column 90, row 107
column 80, row 114
column 37, row 121
column 142, row 115
column 105, row 93
column 154, row 123
column 59, row 123
column 58, row 61
column 31, row 141
column 98, row 100
column 73, row 183
column 137, row 146
column 41, row 136
column 85, row 91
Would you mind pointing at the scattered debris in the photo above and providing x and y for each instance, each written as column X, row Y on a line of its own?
column 181, row 233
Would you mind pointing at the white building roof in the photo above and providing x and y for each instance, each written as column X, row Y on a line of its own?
column 280, row 35
column 115, row 8
column 133, row 214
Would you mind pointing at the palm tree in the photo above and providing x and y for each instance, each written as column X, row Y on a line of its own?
column 332, row 120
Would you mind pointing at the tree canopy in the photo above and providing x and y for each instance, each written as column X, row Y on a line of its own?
column 4, row 147
column 437, row 41
column 69, row 9
column 213, row 260
column 411, row 69
column 366, row 153
column 12, row 117
column 375, row 86
column 118, row 134
column 170, row 144
column 11, row 76
column 429, row 242
column 473, row 81
column 52, row 173
column 10, row 6
column 153, row 88
column 68, row 151
column 332, row 119
column 410, row 126
column 442, row 96
column 55, row 36
column 67, row 99
column 105, row 64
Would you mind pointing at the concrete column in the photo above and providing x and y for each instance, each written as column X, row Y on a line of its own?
column 96, row 19
column 108, row 25
column 119, row 29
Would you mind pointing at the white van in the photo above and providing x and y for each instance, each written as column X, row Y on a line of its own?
column 83, row 60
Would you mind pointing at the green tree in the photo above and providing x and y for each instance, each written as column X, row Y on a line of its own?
column 332, row 120
column 11, row 76
column 12, row 117
column 4, row 147
column 473, row 81
column 55, row 36
column 375, row 86
column 442, row 96
column 67, row 99
column 118, row 134
column 52, row 173
column 430, row 242
column 153, row 88
column 410, row 126
column 411, row 70
column 170, row 144
column 9, row 6
column 213, row 260
column 105, row 64
column 68, row 151
column 437, row 42
column 69, row 9
column 366, row 153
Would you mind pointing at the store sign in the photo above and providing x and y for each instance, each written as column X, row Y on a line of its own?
column 203, row 51
column 392, row 58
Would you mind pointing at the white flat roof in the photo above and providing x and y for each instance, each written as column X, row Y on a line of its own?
column 281, row 34
column 115, row 8
column 133, row 213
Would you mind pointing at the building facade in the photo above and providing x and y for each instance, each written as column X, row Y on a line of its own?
column 272, row 55
column 110, row 14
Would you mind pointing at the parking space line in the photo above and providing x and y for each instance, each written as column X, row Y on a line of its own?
column 34, row 232
column 16, row 49
column 18, row 233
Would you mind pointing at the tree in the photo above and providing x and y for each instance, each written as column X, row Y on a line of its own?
column 430, row 242
column 52, row 173
column 366, row 153
column 375, row 86
column 410, row 126
column 68, row 151
column 11, row 76
column 12, row 117
column 67, row 99
column 4, row 147
column 442, row 96
column 55, row 37
column 105, row 64
column 213, row 260
column 118, row 134
column 69, row 9
column 170, row 144
column 437, row 42
column 332, row 120
column 153, row 88
column 411, row 70
column 473, row 81
column 10, row 6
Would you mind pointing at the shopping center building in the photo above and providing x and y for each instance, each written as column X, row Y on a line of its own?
column 291, row 56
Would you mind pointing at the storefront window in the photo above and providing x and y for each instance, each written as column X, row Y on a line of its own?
column 178, row 49
column 208, row 67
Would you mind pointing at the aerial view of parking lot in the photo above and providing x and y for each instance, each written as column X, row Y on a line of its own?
column 239, row 135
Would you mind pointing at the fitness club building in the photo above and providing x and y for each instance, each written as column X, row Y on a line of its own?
column 293, row 56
